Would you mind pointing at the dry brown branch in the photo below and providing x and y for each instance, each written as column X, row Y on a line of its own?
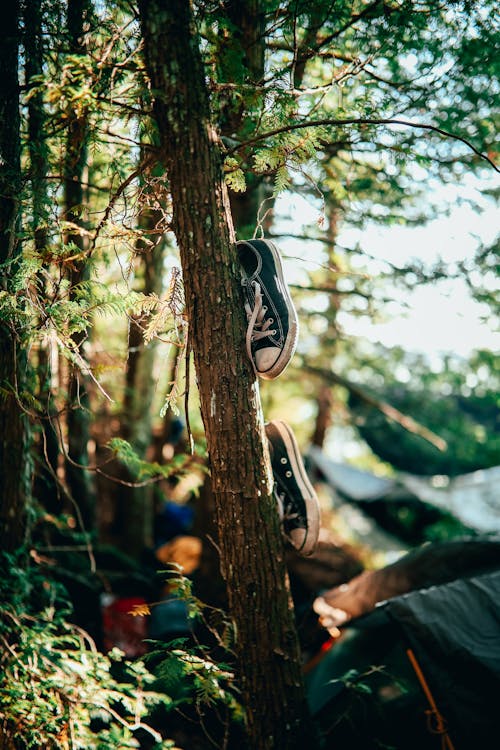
column 390, row 412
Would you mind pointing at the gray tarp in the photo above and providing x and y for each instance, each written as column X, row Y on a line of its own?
column 472, row 498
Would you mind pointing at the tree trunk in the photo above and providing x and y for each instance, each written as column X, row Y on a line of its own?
column 79, row 481
column 136, row 503
column 323, row 420
column 326, row 399
column 252, row 558
column 14, row 428
column 45, row 489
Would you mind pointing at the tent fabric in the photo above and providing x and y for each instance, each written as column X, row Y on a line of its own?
column 363, row 694
column 454, row 631
column 459, row 620
column 472, row 498
column 425, row 566
column 350, row 482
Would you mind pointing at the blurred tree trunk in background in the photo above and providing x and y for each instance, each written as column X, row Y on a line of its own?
column 325, row 400
column 45, row 488
column 248, row 525
column 323, row 415
column 14, row 428
column 79, row 480
column 136, row 504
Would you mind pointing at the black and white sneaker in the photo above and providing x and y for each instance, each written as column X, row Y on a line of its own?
column 298, row 503
column 272, row 320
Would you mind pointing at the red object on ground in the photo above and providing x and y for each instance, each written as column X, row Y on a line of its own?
column 122, row 629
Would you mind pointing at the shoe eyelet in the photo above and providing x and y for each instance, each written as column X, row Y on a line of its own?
column 284, row 461
column 288, row 473
column 271, row 320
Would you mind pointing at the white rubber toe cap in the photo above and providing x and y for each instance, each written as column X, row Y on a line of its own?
column 266, row 358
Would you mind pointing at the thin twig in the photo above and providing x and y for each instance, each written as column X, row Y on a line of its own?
column 149, row 159
column 186, row 394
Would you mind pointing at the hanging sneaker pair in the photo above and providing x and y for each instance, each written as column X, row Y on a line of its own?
column 270, row 342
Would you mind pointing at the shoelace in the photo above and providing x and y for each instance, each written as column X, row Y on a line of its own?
column 285, row 511
column 256, row 317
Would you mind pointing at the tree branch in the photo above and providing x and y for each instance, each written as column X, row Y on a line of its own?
column 330, row 290
column 363, row 121
column 389, row 411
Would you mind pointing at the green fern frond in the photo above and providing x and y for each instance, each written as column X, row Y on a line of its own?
column 143, row 470
column 281, row 180
column 49, row 667
column 267, row 160
column 235, row 180
column 169, row 316
column 171, row 400
column 233, row 175
column 29, row 400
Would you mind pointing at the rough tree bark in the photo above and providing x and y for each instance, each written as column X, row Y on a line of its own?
column 14, row 428
column 249, row 536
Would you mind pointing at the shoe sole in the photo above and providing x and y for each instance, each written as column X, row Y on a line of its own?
column 313, row 513
column 293, row 324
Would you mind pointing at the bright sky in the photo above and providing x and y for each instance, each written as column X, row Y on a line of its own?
column 439, row 318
